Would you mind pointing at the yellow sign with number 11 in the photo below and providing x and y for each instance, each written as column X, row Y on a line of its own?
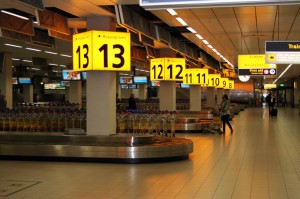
column 101, row 50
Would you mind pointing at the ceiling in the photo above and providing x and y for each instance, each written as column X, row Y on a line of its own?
column 230, row 30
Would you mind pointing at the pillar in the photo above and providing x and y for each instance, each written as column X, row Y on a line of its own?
column 167, row 96
column 210, row 97
column 142, row 91
column 101, row 89
column 28, row 93
column 195, row 98
column 220, row 92
column 74, row 92
column 167, row 89
column 6, row 79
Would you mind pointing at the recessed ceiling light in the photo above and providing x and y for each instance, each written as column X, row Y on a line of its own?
column 12, row 45
column 199, row 36
column 172, row 12
column 206, row 42
column 24, row 60
column 33, row 49
column 181, row 21
column 64, row 55
column 191, row 29
column 49, row 52
column 13, row 14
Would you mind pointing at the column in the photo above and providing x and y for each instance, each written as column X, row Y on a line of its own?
column 101, row 89
column 220, row 92
column 6, row 79
column 210, row 97
column 167, row 96
column 296, row 93
column 74, row 92
column 195, row 98
column 28, row 93
column 167, row 89
column 142, row 92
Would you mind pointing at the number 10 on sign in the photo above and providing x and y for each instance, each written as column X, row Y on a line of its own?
column 101, row 50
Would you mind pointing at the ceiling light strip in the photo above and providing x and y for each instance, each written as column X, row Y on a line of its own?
column 33, row 49
column 282, row 73
column 181, row 21
column 172, row 12
column 12, row 45
column 15, row 15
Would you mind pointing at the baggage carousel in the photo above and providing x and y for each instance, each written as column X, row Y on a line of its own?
column 126, row 148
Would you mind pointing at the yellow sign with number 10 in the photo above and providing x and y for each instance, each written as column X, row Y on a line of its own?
column 101, row 50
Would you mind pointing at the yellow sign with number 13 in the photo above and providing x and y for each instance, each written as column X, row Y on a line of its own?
column 101, row 50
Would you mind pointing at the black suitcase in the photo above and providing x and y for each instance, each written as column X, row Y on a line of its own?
column 274, row 112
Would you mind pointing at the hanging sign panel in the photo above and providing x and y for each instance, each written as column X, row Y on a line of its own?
column 223, row 83
column 213, row 80
column 230, row 84
column 283, row 52
column 195, row 76
column 165, row 4
column 170, row 69
column 101, row 50
column 255, row 65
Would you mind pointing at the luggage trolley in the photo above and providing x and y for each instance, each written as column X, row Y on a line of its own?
column 214, row 126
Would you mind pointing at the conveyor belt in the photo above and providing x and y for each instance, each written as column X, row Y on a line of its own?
column 126, row 147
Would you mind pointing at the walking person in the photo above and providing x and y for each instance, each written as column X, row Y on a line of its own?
column 225, row 113
column 131, row 102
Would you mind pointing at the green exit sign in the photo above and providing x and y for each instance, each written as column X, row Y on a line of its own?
column 281, row 84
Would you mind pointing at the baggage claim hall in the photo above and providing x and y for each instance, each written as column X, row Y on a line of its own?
column 128, row 99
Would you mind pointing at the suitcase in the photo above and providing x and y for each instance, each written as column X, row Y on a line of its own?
column 274, row 112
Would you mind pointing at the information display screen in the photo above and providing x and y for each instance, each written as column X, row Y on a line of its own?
column 70, row 75
column 140, row 79
column 24, row 80
column 126, row 80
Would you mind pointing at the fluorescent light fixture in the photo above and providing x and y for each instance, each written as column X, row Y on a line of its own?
column 24, row 60
column 282, row 73
column 51, row 64
column 199, row 36
column 12, row 45
column 210, row 46
column 172, row 12
column 33, row 49
column 191, row 29
column 204, row 41
column 49, row 52
column 62, row 65
column 55, row 71
column 214, row 50
column 13, row 14
column 35, row 69
column 15, row 59
column 181, row 21
column 64, row 55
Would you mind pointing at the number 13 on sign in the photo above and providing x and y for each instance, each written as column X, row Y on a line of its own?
column 101, row 50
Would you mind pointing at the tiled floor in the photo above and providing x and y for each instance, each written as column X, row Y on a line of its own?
column 260, row 160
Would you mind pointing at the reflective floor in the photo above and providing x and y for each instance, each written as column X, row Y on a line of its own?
column 260, row 160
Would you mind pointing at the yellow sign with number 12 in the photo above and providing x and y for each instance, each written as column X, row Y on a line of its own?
column 101, row 50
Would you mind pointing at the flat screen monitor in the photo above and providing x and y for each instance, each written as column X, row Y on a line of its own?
column 155, row 83
column 124, row 86
column 140, row 79
column 83, row 75
column 14, row 80
column 133, row 86
column 65, row 83
column 126, row 80
column 24, row 80
column 185, row 85
column 178, row 85
column 53, row 86
column 70, row 75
